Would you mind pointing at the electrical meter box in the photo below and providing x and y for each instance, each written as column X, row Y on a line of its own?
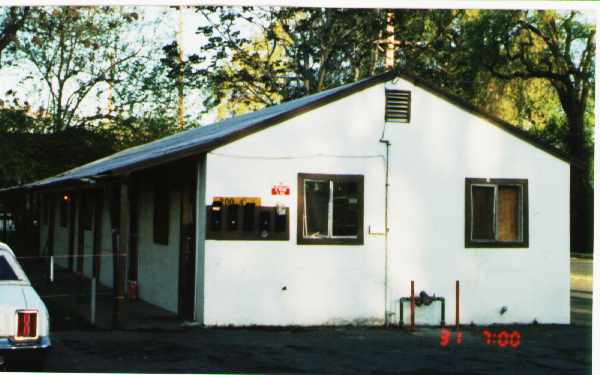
column 227, row 219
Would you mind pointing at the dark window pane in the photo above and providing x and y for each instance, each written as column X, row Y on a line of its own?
column 216, row 215
column 233, row 216
column 6, row 271
column 264, row 224
column 316, row 194
column 483, row 212
column 280, row 221
column 345, row 208
column 249, row 210
column 508, row 213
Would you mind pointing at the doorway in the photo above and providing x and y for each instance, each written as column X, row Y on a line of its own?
column 187, row 254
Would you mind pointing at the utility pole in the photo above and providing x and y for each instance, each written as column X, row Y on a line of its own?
column 389, row 44
column 389, row 51
column 180, row 77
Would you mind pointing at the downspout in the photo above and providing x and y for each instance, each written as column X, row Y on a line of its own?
column 387, row 184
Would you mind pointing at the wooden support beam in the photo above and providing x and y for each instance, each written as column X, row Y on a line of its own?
column 133, row 234
column 71, row 230
column 97, row 247
column 120, row 256
column 51, row 223
column 80, row 231
column 4, row 224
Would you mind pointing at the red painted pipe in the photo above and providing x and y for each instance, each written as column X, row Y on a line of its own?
column 457, row 305
column 412, row 305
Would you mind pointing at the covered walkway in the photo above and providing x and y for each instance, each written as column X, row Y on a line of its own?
column 68, row 299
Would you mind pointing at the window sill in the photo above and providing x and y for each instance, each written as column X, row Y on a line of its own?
column 495, row 245
column 330, row 241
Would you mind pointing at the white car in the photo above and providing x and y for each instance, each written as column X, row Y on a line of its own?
column 24, row 320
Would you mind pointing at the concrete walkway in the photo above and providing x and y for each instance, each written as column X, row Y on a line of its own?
column 68, row 299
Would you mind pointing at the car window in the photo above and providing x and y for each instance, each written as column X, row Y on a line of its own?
column 6, row 271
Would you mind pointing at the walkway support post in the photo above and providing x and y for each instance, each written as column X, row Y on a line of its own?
column 93, row 301
column 122, row 249
column 412, row 305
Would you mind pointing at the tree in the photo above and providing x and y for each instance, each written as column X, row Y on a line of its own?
column 12, row 20
column 533, row 68
column 526, row 48
column 288, row 53
column 76, row 51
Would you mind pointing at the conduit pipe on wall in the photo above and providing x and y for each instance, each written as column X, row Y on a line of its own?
column 387, row 184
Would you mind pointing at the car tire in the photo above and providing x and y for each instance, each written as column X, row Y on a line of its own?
column 38, row 362
column 27, row 361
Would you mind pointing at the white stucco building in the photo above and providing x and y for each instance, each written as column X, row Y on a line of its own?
column 278, row 217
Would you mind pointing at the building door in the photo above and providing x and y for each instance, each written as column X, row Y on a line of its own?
column 187, row 255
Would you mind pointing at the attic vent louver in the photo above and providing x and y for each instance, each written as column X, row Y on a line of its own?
column 397, row 106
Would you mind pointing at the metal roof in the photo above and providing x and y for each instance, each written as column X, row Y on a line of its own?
column 206, row 138
column 197, row 140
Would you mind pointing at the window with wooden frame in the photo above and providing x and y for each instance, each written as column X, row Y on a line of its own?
column 330, row 209
column 161, row 213
column 496, row 212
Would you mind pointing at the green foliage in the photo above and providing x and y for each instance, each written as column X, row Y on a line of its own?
column 544, row 58
column 12, row 20
column 13, row 120
column 132, row 131
column 296, row 52
column 26, row 157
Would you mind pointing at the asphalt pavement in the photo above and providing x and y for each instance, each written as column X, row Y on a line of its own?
column 581, row 274
column 540, row 349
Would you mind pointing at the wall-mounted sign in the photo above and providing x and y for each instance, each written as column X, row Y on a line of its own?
column 280, row 189
column 227, row 201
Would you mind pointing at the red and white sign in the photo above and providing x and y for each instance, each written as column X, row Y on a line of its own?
column 280, row 189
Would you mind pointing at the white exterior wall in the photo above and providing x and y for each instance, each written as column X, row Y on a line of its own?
column 326, row 284
column 429, row 161
column 158, row 267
